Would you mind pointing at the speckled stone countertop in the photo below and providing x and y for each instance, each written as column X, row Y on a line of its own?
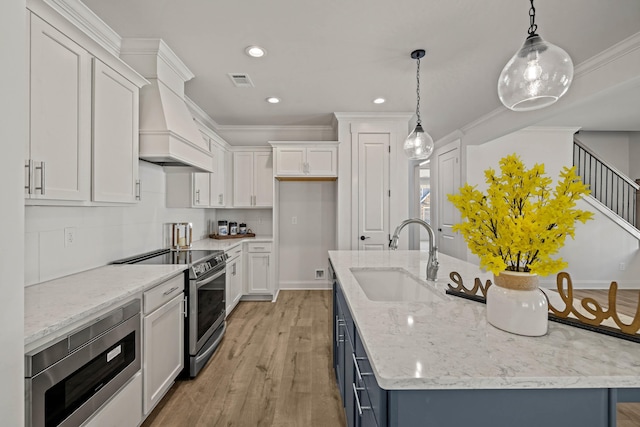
column 225, row 244
column 54, row 305
column 445, row 342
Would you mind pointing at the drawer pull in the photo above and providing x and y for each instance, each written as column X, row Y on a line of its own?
column 355, row 393
column 170, row 291
column 355, row 363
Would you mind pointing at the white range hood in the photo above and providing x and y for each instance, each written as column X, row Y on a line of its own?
column 168, row 134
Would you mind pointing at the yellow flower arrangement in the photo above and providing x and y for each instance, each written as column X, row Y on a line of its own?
column 520, row 223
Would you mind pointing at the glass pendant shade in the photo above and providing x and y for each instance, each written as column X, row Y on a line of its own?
column 537, row 76
column 419, row 144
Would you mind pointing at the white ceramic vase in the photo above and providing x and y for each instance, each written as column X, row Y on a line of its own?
column 515, row 304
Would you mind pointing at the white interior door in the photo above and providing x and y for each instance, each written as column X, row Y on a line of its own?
column 448, row 215
column 373, row 191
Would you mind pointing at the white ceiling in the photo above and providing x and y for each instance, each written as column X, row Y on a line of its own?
column 338, row 55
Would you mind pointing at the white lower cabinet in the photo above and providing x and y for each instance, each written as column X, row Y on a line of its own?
column 124, row 410
column 234, row 279
column 163, row 338
column 259, row 268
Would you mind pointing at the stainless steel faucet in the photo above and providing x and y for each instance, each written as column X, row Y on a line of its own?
column 432, row 265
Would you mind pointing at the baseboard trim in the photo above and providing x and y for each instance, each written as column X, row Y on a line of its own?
column 305, row 285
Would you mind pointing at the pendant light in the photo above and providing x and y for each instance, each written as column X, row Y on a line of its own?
column 537, row 75
column 419, row 144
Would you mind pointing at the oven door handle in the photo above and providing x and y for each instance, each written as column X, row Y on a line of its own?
column 210, row 279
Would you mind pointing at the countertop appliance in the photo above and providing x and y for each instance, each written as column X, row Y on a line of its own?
column 67, row 381
column 205, row 289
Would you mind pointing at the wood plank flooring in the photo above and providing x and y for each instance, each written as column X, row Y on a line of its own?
column 273, row 368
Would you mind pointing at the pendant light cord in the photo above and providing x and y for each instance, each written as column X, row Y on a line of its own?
column 532, row 21
column 418, row 93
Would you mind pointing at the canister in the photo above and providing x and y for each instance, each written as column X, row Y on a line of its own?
column 223, row 228
column 242, row 228
column 233, row 228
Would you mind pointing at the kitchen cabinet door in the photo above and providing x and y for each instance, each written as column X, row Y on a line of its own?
column 115, row 136
column 234, row 282
column 201, row 192
column 124, row 409
column 243, row 179
column 263, row 179
column 217, row 183
column 259, row 273
column 163, row 354
column 291, row 161
column 322, row 161
column 60, row 116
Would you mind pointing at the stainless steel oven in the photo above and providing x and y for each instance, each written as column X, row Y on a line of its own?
column 206, row 315
column 205, row 324
column 66, row 382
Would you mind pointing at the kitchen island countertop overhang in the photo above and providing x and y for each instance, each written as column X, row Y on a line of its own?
column 445, row 342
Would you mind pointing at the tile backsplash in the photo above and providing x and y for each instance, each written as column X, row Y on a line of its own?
column 103, row 234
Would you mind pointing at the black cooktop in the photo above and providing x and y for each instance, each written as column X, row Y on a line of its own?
column 168, row 256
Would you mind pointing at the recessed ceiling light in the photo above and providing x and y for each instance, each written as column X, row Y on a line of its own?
column 273, row 100
column 255, row 51
column 379, row 101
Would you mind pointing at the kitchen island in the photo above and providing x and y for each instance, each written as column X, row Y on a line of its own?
column 438, row 362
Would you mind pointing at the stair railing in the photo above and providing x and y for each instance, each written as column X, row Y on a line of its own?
column 608, row 185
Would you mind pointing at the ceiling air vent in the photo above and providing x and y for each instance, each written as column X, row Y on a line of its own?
column 241, row 80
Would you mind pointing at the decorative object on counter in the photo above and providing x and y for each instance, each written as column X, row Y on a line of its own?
column 223, row 229
column 242, row 228
column 236, row 236
column 233, row 228
column 537, row 75
column 516, row 228
column 181, row 235
column 419, row 144
column 570, row 315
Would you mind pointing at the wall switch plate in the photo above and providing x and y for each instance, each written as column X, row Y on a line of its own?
column 69, row 236
column 622, row 266
column 294, row 220
column 319, row 273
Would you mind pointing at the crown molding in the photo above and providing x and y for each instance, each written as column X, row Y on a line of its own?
column 88, row 22
column 151, row 47
column 609, row 55
column 373, row 116
column 273, row 128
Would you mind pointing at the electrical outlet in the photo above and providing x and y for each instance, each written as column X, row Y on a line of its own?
column 319, row 273
column 294, row 220
column 622, row 266
column 69, row 236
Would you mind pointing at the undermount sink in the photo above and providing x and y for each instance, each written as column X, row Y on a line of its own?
column 391, row 284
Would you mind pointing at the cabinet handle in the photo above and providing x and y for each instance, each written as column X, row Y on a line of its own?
column 355, row 394
column 42, row 173
column 220, row 199
column 170, row 291
column 355, row 364
column 185, row 306
column 197, row 196
column 138, row 189
column 29, row 167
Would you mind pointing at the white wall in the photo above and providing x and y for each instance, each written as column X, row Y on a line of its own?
column 304, row 246
column 600, row 245
column 13, row 110
column 611, row 147
column 103, row 234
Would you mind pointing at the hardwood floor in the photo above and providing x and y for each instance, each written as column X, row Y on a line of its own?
column 273, row 368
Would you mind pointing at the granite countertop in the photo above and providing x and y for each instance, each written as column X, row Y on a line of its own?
column 57, row 304
column 226, row 244
column 445, row 342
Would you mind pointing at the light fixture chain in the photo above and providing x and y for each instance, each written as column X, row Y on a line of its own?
column 532, row 20
column 418, row 92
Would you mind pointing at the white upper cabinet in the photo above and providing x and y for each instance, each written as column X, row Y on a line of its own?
column 306, row 159
column 115, row 136
column 253, row 179
column 83, row 117
column 59, row 147
column 218, row 181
